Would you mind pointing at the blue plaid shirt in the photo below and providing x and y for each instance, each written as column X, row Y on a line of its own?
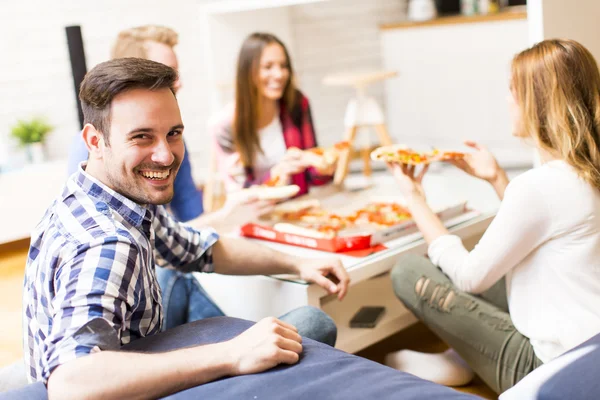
column 90, row 281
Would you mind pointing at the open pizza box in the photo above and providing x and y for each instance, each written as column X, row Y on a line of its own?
column 346, row 240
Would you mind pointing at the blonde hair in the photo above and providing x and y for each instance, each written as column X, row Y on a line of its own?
column 556, row 84
column 131, row 42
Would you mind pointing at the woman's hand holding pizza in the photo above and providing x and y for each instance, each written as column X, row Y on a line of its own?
column 293, row 162
column 480, row 163
column 296, row 161
column 409, row 181
column 326, row 171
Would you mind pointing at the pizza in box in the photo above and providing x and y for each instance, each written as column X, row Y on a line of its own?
column 305, row 223
column 308, row 218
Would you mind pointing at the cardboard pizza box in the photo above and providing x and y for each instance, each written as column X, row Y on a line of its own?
column 346, row 241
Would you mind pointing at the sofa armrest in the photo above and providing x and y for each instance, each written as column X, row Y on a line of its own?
column 573, row 376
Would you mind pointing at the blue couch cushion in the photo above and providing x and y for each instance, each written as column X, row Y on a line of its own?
column 322, row 372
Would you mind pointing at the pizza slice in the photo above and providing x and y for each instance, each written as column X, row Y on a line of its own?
column 322, row 158
column 263, row 192
column 324, row 226
column 382, row 215
column 400, row 154
column 292, row 211
column 273, row 181
column 306, row 218
column 446, row 155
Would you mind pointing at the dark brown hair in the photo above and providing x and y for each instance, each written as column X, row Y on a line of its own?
column 108, row 79
column 247, row 96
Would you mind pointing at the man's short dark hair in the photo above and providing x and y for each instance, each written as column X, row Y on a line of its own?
column 108, row 79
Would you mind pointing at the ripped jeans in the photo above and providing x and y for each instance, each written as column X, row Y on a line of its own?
column 478, row 327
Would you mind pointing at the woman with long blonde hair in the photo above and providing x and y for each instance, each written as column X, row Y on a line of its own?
column 530, row 290
column 256, row 138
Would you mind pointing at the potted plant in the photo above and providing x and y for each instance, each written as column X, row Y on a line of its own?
column 30, row 135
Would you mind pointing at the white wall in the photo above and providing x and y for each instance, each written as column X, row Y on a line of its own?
column 36, row 74
column 339, row 36
column 323, row 37
column 449, row 91
column 36, row 78
column 224, row 34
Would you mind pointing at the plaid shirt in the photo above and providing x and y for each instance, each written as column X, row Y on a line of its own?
column 90, row 281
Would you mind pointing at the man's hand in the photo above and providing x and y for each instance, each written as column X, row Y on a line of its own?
column 239, row 209
column 323, row 272
column 268, row 343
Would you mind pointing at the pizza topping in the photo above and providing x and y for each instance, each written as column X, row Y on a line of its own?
column 405, row 155
column 316, row 150
column 377, row 214
column 449, row 155
column 273, row 181
column 342, row 145
column 322, row 158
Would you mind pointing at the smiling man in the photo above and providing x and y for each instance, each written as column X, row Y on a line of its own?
column 90, row 284
column 137, row 162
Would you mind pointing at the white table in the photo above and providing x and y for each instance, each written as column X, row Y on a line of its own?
column 255, row 297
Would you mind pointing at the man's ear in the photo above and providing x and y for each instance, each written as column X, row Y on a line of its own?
column 93, row 140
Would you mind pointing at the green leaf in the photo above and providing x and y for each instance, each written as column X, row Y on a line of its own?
column 32, row 131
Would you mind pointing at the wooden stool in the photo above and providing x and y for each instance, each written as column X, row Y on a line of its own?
column 362, row 111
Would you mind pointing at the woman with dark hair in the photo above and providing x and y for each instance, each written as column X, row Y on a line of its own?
column 257, row 137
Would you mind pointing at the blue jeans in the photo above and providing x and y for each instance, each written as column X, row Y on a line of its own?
column 184, row 300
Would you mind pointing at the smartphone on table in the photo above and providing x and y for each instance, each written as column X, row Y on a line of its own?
column 367, row 317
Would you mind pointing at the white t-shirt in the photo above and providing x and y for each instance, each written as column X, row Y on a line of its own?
column 273, row 146
column 230, row 167
column 546, row 240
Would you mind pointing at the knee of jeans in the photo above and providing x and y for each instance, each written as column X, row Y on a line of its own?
column 436, row 295
column 328, row 327
column 315, row 324
column 166, row 276
column 405, row 273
